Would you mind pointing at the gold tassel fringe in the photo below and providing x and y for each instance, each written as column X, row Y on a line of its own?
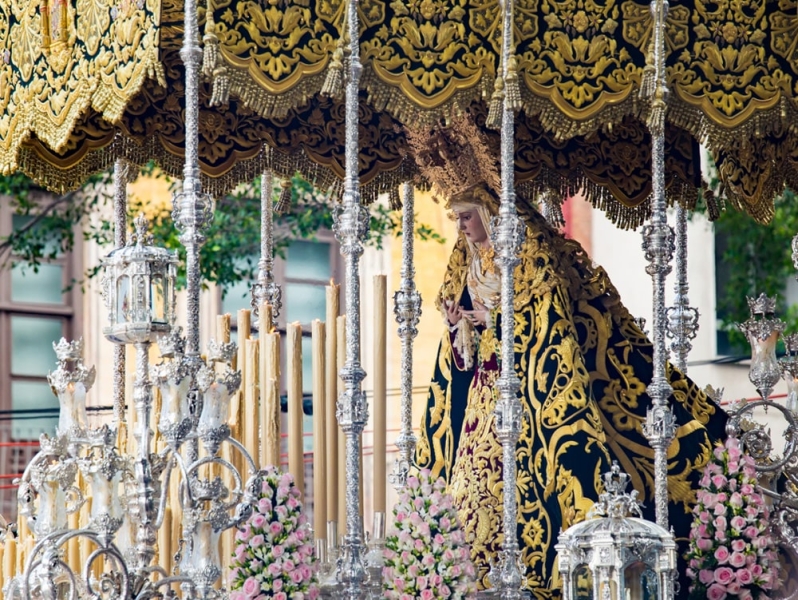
column 285, row 197
column 513, row 89
column 496, row 106
column 333, row 83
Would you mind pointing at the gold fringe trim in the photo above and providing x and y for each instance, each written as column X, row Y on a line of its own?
column 239, row 83
column 285, row 166
column 552, row 187
column 393, row 100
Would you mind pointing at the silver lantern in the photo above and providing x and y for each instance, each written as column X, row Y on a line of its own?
column 139, row 289
column 615, row 554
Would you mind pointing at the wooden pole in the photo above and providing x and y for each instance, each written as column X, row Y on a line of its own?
column 319, row 430
column 296, row 458
column 270, row 392
column 331, row 385
column 341, row 359
column 380, row 390
column 251, row 399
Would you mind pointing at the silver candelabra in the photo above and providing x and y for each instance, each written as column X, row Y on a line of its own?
column 129, row 491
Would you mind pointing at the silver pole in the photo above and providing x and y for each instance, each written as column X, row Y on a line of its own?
column 193, row 210
column 121, row 174
column 658, row 245
column 351, row 227
column 407, row 310
column 265, row 290
column 682, row 318
column 508, row 237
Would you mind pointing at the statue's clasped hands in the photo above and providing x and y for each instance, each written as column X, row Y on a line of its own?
column 477, row 317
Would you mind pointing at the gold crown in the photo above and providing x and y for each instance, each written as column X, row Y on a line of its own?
column 457, row 160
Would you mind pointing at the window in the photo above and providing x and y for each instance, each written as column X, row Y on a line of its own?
column 303, row 276
column 34, row 312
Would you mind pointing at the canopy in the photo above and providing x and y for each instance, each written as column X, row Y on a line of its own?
column 85, row 82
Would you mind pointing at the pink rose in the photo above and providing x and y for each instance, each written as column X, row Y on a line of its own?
column 421, row 582
column 716, row 592
column 275, row 569
column 744, row 576
column 277, row 584
column 256, row 541
column 251, row 587
column 258, row 520
column 296, row 576
column 720, row 509
column 264, row 506
column 738, row 523
column 751, row 532
column 720, row 523
column 704, row 517
column 280, row 596
column 399, row 583
column 733, row 588
column 704, row 544
column 427, row 594
column 737, row 560
column 719, row 480
column 736, row 500
column 756, row 570
column 738, row 545
column 724, row 575
column 275, row 528
column 705, row 576
column 722, row 555
column 278, row 551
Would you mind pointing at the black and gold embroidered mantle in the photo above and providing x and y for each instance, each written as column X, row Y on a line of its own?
column 584, row 366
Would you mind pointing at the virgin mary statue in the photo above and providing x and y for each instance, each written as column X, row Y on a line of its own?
column 584, row 366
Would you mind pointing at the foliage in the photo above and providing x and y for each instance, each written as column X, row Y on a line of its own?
column 425, row 552
column 274, row 556
column 230, row 253
column 49, row 223
column 757, row 259
column 232, row 249
column 732, row 554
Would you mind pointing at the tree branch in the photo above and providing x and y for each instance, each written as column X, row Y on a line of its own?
column 7, row 244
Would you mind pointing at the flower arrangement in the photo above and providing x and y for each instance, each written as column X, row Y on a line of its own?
column 274, row 556
column 425, row 552
column 731, row 553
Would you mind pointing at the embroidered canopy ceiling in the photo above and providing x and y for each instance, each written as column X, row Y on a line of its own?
column 85, row 81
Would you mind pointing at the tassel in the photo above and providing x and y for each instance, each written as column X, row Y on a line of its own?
column 495, row 109
column 648, row 84
column 221, row 86
column 210, row 44
column 394, row 201
column 513, row 89
column 333, row 83
column 285, row 197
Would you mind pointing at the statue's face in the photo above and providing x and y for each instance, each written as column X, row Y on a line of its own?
column 470, row 224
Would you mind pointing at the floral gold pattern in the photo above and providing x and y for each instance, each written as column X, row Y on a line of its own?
column 732, row 67
column 584, row 366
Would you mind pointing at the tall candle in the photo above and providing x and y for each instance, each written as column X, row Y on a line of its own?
column 342, row 474
column 270, row 394
column 319, row 427
column 331, row 389
column 380, row 389
column 251, row 398
column 296, row 459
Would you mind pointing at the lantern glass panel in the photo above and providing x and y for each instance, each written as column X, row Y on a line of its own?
column 583, row 583
column 640, row 582
column 123, row 299
column 158, row 299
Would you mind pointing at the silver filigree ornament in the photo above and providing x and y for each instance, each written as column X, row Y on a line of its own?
column 763, row 331
column 616, row 552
